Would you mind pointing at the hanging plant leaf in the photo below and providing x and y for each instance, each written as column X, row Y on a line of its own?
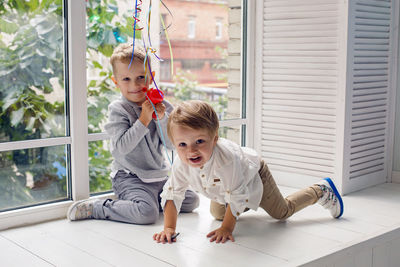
column 16, row 116
column 7, row 26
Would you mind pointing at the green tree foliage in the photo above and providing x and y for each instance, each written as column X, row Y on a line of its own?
column 106, row 28
column 27, row 63
column 185, row 86
column 31, row 52
column 31, row 70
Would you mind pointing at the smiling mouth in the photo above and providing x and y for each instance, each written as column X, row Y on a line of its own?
column 136, row 92
column 195, row 160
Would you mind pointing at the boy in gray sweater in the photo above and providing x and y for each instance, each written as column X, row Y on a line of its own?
column 139, row 169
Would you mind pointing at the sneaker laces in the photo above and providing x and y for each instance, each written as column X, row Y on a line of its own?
column 328, row 199
column 84, row 210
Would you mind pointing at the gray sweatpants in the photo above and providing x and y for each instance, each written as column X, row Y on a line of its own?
column 137, row 202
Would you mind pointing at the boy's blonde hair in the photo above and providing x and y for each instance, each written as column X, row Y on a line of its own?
column 123, row 53
column 194, row 114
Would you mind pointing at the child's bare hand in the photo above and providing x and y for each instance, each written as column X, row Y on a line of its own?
column 147, row 112
column 160, row 108
column 165, row 236
column 221, row 235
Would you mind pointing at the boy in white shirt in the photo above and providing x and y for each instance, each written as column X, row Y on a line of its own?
column 233, row 177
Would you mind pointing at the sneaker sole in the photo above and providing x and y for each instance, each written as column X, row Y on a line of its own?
column 336, row 192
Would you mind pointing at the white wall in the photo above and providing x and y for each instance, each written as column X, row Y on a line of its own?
column 396, row 148
column 396, row 145
column 396, row 156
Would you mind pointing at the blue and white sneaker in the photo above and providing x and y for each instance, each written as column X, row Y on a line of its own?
column 330, row 198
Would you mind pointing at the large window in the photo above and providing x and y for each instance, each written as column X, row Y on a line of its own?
column 200, row 65
column 32, row 104
column 38, row 135
column 196, row 69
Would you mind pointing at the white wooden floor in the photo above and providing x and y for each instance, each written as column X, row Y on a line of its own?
column 260, row 240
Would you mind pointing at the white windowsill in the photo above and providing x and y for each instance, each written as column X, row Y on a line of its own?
column 396, row 177
column 38, row 214
column 368, row 234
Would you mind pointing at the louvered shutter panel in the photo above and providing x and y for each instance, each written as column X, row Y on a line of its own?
column 369, row 82
column 300, row 75
column 312, row 126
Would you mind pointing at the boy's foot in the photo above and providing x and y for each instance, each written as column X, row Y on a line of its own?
column 81, row 210
column 330, row 198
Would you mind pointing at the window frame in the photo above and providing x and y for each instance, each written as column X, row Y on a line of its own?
column 76, row 112
column 78, row 140
column 394, row 134
column 191, row 27
column 218, row 33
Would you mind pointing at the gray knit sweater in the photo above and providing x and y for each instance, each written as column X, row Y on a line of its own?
column 135, row 147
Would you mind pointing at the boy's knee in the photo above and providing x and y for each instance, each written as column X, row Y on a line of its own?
column 283, row 215
column 190, row 202
column 217, row 210
column 280, row 218
column 146, row 213
column 217, row 216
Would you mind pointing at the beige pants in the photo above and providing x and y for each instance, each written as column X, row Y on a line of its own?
column 272, row 200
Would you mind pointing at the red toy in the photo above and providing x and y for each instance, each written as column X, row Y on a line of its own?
column 155, row 96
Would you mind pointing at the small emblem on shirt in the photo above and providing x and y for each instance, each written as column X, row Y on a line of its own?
column 216, row 180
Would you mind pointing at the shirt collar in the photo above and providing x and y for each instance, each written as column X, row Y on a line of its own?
column 209, row 163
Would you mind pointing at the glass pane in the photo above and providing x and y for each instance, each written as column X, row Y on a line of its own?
column 99, row 166
column 204, row 37
column 108, row 24
column 31, row 70
column 199, row 42
column 32, row 176
column 233, row 133
column 201, row 48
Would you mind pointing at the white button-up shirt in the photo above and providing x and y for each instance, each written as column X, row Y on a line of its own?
column 229, row 177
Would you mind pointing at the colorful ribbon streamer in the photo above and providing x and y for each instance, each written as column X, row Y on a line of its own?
column 151, row 51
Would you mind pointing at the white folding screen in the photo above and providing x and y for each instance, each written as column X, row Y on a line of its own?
column 325, row 88
column 369, row 83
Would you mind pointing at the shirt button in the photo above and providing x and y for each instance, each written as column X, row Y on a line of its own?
column 201, row 167
column 202, row 175
column 237, row 213
column 213, row 184
column 170, row 188
column 247, row 200
column 205, row 188
column 228, row 191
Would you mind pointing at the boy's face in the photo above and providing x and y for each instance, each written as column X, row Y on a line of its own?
column 194, row 147
column 131, row 81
